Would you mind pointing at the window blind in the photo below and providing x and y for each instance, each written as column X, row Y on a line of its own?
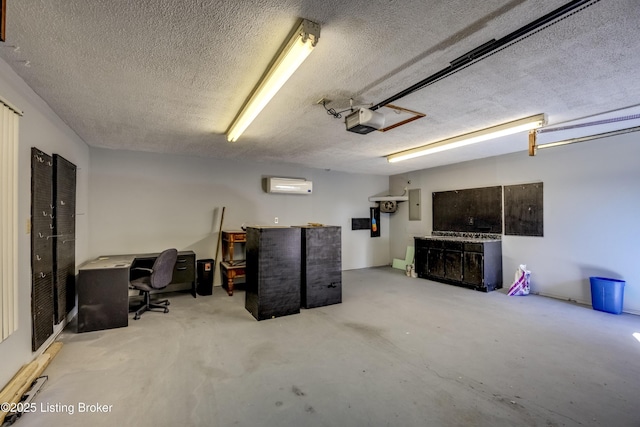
column 9, row 125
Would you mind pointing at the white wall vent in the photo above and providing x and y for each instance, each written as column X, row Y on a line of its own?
column 289, row 185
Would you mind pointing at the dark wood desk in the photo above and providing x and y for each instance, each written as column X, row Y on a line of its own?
column 103, row 287
column 103, row 293
column 184, row 271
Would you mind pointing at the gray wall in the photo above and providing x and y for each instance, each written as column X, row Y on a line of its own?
column 40, row 128
column 143, row 202
column 591, row 207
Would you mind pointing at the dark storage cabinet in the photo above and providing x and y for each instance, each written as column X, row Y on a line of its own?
column 321, row 266
column 483, row 265
column 473, row 263
column 273, row 276
column 435, row 262
column 185, row 269
column 453, row 261
column 474, row 266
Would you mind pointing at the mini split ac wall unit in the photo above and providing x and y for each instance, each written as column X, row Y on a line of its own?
column 288, row 186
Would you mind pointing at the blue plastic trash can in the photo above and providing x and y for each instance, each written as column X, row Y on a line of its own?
column 607, row 294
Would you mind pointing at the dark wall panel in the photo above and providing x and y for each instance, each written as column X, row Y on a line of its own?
column 42, row 228
column 360, row 223
column 523, row 210
column 53, row 207
column 477, row 210
column 64, row 194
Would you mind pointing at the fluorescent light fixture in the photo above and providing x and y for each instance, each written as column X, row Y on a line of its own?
column 293, row 53
column 587, row 138
column 504, row 129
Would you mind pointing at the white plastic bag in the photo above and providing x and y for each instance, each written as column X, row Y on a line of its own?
column 521, row 284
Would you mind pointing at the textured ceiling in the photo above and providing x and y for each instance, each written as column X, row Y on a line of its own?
column 169, row 76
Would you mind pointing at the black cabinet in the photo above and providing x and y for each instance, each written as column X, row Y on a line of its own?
column 439, row 259
column 273, row 256
column 321, row 266
column 435, row 262
column 453, row 264
column 474, row 267
column 473, row 263
column 185, row 268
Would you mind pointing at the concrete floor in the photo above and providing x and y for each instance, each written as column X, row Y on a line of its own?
column 397, row 352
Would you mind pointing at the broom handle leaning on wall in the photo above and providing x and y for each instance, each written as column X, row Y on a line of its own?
column 219, row 236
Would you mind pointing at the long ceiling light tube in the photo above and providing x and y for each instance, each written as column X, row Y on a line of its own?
column 292, row 54
column 510, row 128
column 595, row 123
column 587, row 138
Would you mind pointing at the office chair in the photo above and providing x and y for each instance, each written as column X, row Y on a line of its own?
column 159, row 277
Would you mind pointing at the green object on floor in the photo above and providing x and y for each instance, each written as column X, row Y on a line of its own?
column 401, row 264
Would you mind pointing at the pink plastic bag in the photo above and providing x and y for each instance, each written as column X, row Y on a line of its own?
column 521, row 284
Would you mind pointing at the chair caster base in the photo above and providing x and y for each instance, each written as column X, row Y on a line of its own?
column 151, row 306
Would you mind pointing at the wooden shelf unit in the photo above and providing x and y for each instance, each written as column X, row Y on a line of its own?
column 230, row 267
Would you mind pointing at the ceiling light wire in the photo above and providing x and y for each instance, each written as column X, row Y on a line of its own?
column 338, row 114
column 332, row 111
